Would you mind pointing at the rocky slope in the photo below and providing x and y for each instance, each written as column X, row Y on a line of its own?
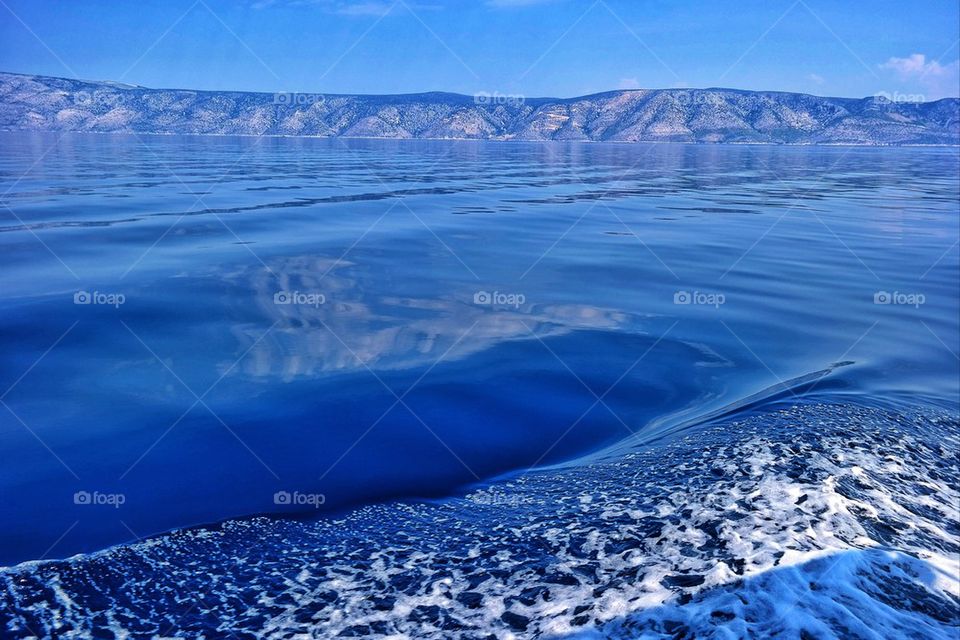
column 684, row 115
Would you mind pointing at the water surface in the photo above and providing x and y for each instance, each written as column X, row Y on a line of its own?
column 368, row 320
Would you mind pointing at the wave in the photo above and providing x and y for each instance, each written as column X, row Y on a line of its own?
column 816, row 521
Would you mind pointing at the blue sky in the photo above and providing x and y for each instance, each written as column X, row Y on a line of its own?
column 512, row 47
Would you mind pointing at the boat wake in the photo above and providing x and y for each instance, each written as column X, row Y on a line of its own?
column 817, row 521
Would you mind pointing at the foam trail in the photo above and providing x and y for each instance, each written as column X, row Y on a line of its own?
column 821, row 521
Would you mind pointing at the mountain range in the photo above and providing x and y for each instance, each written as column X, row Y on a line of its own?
column 41, row 103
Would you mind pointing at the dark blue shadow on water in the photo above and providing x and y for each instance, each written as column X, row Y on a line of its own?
column 352, row 438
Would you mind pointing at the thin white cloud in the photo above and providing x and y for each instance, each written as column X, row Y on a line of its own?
column 934, row 79
column 364, row 9
column 376, row 8
column 508, row 4
column 815, row 78
column 915, row 65
column 629, row 83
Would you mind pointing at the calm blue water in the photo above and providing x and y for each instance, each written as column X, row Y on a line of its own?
column 347, row 322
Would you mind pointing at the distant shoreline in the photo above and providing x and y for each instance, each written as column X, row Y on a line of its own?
column 686, row 116
column 862, row 145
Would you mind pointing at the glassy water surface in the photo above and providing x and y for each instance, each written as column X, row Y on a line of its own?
column 197, row 329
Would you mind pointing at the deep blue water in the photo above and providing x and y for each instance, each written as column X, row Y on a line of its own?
column 309, row 316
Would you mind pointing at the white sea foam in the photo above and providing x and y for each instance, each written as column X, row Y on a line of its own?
column 816, row 522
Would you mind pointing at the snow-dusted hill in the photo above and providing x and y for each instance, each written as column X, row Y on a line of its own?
column 694, row 115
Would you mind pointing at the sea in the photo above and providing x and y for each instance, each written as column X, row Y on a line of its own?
column 312, row 388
